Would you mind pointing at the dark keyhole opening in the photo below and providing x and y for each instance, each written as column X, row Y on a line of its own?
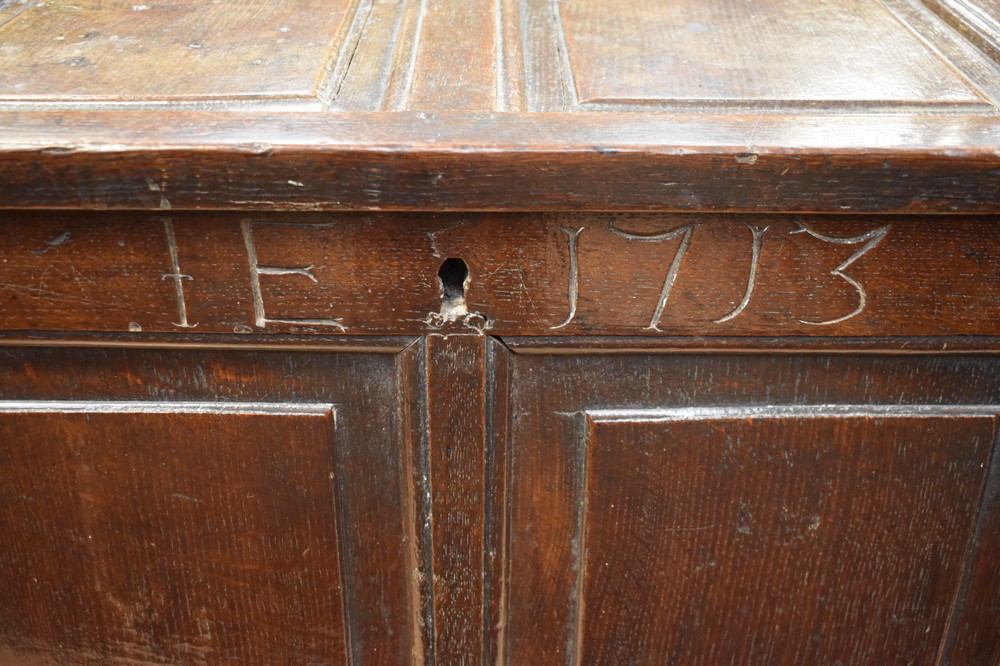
column 453, row 274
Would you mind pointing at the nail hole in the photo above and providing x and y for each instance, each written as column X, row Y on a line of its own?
column 453, row 277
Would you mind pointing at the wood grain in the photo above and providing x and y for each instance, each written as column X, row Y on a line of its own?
column 979, row 21
column 420, row 104
column 218, row 534
column 723, row 50
column 976, row 630
column 456, row 385
column 530, row 274
column 849, row 425
column 445, row 161
column 115, row 52
column 772, row 536
column 448, row 74
column 230, row 556
column 499, row 331
column 488, row 55
column 496, row 482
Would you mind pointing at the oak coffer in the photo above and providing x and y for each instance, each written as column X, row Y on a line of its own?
column 498, row 332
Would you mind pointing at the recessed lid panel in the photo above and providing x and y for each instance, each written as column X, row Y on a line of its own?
column 113, row 50
column 751, row 50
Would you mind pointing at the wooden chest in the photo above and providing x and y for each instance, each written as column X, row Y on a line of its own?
column 499, row 332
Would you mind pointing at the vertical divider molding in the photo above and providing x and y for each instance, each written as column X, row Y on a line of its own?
column 466, row 421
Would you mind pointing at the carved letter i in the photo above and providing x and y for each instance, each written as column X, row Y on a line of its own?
column 176, row 275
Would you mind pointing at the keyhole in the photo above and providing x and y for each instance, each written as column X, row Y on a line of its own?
column 453, row 277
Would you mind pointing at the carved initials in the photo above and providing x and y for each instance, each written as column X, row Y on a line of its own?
column 574, row 272
column 176, row 275
column 256, row 270
column 866, row 241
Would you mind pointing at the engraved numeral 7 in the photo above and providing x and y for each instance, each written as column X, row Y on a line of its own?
column 675, row 266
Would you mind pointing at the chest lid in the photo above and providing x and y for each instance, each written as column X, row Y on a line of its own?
column 735, row 105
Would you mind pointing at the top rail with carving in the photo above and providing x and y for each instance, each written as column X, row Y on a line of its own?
column 521, row 274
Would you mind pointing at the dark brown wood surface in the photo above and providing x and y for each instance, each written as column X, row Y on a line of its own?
column 832, row 162
column 975, row 639
column 226, row 555
column 213, row 506
column 769, row 536
column 703, row 306
column 528, row 274
column 749, row 508
column 456, row 432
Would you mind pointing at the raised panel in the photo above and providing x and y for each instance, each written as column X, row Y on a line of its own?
column 747, row 507
column 794, row 53
column 190, row 533
column 207, row 506
column 116, row 51
column 768, row 536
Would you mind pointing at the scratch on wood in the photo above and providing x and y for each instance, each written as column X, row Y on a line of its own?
column 153, row 187
column 432, row 235
column 282, row 270
column 700, row 528
column 55, row 242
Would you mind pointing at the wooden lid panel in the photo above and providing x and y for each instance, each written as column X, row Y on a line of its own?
column 697, row 105
column 144, row 50
column 789, row 52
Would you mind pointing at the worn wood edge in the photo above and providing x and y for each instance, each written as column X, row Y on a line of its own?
column 305, row 343
column 751, row 345
column 786, row 411
column 956, row 184
column 987, row 494
column 276, row 103
column 849, row 131
column 251, row 407
column 602, row 344
column 471, row 161
column 974, row 23
column 497, row 533
column 411, row 379
column 944, row 39
column 344, row 553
